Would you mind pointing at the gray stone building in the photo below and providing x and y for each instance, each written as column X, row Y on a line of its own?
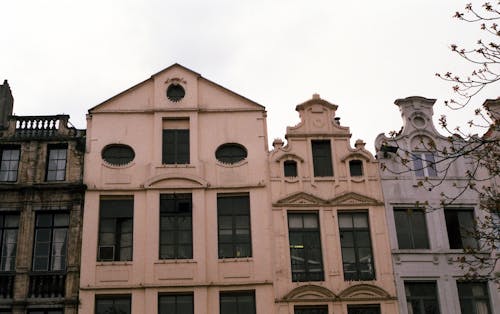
column 431, row 216
column 41, row 197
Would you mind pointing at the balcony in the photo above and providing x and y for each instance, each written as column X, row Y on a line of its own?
column 6, row 285
column 43, row 127
column 47, row 285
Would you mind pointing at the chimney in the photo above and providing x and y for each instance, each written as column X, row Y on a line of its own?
column 6, row 104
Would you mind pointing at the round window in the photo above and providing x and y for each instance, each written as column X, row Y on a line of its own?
column 118, row 154
column 230, row 153
column 175, row 92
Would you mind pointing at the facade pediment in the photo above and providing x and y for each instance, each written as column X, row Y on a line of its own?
column 301, row 199
column 354, row 199
column 309, row 293
column 179, row 181
column 364, row 292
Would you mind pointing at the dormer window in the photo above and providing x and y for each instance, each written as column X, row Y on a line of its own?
column 356, row 168
column 290, row 168
column 424, row 164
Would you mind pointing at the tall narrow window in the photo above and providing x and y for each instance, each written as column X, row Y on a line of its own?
column 176, row 235
column 363, row 309
column 424, row 164
column 322, row 309
column 9, row 163
column 50, row 247
column 322, row 158
column 356, row 168
column 421, row 297
column 290, row 168
column 175, row 146
column 474, row 297
column 56, row 162
column 411, row 228
column 113, row 304
column 237, row 302
column 116, row 217
column 9, row 224
column 233, row 219
column 356, row 245
column 305, row 247
column 176, row 304
column 460, row 227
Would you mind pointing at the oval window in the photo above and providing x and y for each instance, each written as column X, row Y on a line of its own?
column 230, row 153
column 118, row 154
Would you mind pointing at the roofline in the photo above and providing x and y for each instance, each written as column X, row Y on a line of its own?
column 401, row 101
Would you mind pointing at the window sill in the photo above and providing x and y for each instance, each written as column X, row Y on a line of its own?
column 234, row 165
column 175, row 166
column 323, row 178
column 235, row 259
column 413, row 251
column 114, row 263
column 175, row 261
column 358, row 179
column 292, row 179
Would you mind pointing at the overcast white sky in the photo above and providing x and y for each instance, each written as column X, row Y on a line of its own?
column 68, row 56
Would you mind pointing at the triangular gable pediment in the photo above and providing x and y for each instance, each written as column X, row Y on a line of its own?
column 301, row 199
column 354, row 199
column 200, row 93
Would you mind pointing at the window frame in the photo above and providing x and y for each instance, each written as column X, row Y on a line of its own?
column 237, row 295
column 421, row 299
column 358, row 163
column 11, row 174
column 172, row 151
column 15, row 230
column 225, row 153
column 411, row 227
column 177, row 214
column 424, row 164
column 322, row 161
column 176, row 296
column 113, row 298
column 290, row 169
column 49, row 168
column 356, row 247
column 474, row 299
column 235, row 216
column 457, row 241
column 117, row 222
column 52, row 227
column 305, row 233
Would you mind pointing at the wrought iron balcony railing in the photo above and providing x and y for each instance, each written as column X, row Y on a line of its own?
column 47, row 285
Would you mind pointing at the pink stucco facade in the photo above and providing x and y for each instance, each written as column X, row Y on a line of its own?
column 138, row 118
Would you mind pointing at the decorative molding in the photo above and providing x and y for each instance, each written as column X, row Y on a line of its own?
column 309, row 293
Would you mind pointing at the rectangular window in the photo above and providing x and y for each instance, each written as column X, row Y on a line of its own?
column 356, row 245
column 9, row 163
column 411, row 228
column 474, row 297
column 51, row 237
column 421, row 297
column 116, row 216
column 176, row 304
column 175, row 146
column 322, row 309
column 237, row 302
column 176, row 234
column 233, row 220
column 305, row 247
column 9, row 225
column 460, row 227
column 113, row 304
column 56, row 162
column 363, row 309
column 424, row 164
column 290, row 168
column 356, row 168
column 322, row 158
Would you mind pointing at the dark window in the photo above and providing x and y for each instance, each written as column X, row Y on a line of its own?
column 322, row 309
column 363, row 309
column 322, row 158
column 474, row 297
column 175, row 146
column 233, row 219
column 45, row 311
column 116, row 218
column 9, row 163
column 176, row 235
column 51, row 237
column 118, row 154
column 56, row 162
column 176, row 304
column 230, row 153
column 305, row 247
column 424, row 164
column 116, row 304
column 9, row 225
column 356, row 245
column 175, row 92
column 237, row 302
column 356, row 168
column 290, row 168
column 411, row 228
column 460, row 227
column 421, row 297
